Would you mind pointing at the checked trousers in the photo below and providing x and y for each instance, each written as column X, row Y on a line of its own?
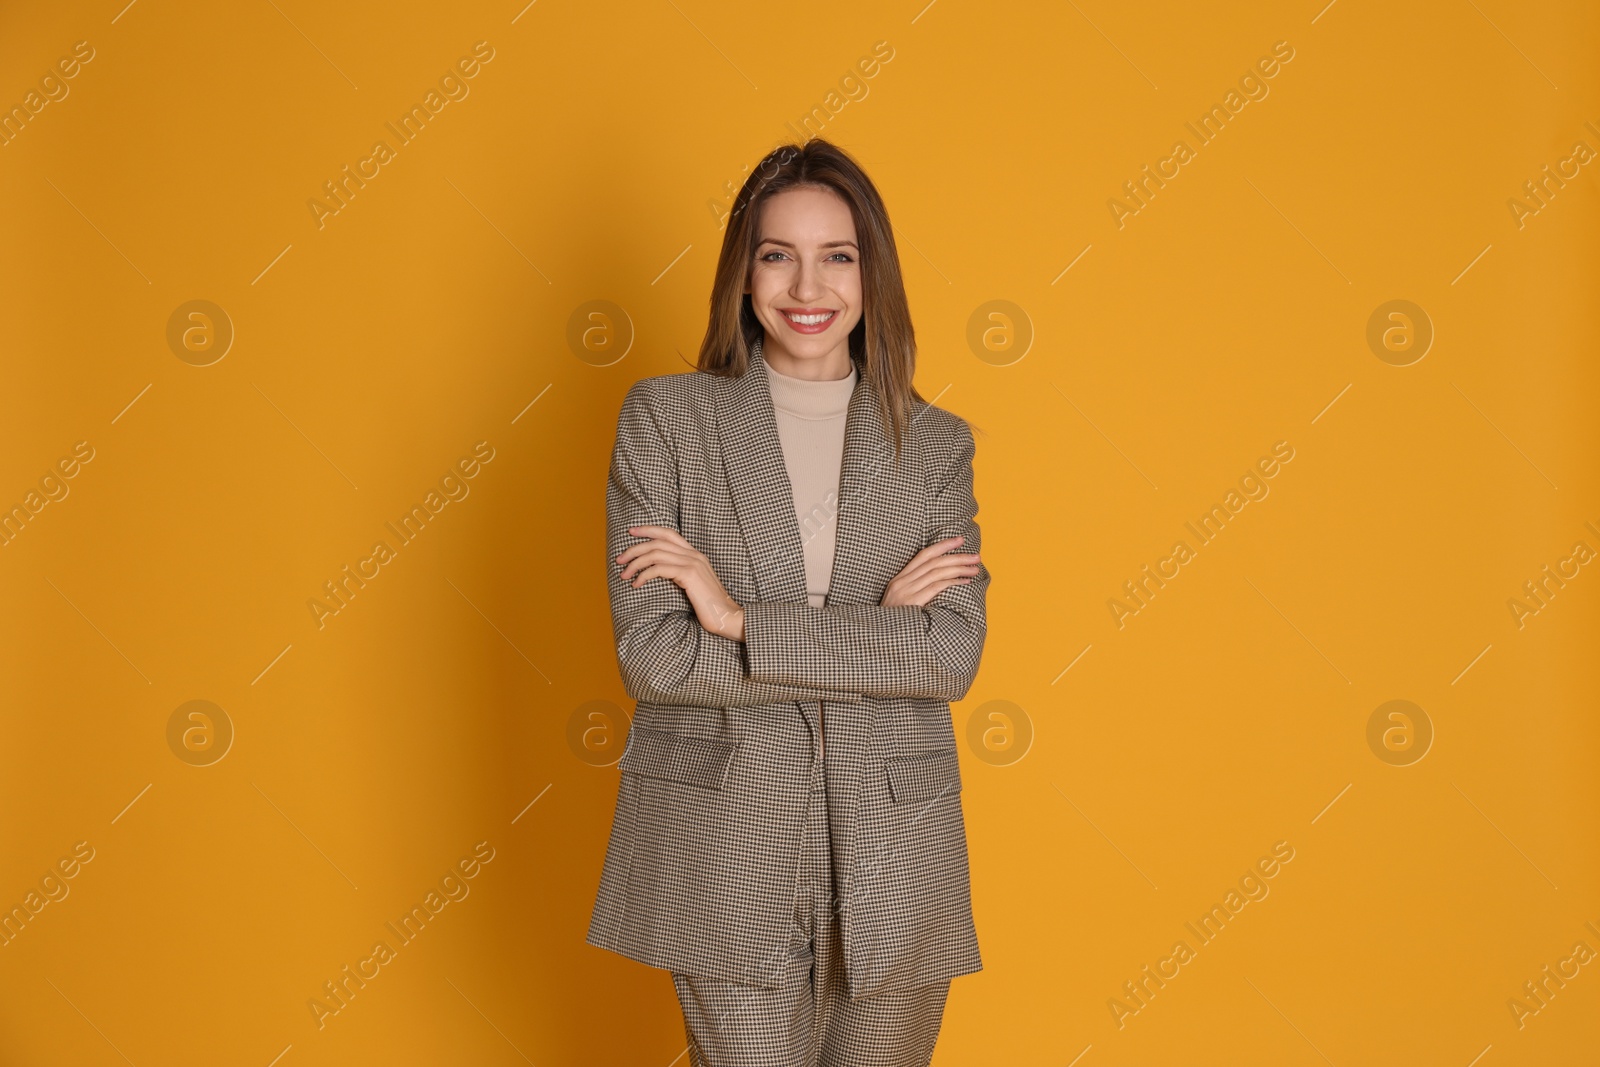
column 810, row 1020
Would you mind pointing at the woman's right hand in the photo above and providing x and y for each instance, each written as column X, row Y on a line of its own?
column 930, row 572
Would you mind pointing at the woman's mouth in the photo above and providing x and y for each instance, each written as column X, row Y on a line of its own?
column 809, row 320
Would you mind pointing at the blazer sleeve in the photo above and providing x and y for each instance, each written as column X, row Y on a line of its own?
column 664, row 654
column 896, row 651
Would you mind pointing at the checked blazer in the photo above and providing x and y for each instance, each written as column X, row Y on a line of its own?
column 702, row 864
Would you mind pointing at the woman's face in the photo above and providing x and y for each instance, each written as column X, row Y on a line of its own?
column 805, row 283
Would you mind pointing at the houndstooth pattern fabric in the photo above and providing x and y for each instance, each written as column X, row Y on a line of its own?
column 809, row 1019
column 703, row 858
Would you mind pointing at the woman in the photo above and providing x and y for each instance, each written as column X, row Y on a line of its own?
column 793, row 620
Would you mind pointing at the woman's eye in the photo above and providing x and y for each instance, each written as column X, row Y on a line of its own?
column 837, row 257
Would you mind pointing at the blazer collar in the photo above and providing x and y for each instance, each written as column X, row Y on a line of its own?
column 763, row 497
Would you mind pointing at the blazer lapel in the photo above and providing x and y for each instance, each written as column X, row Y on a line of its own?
column 881, row 513
column 758, row 481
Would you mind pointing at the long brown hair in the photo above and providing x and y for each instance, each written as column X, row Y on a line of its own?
column 883, row 344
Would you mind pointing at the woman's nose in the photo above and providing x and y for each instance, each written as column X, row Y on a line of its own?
column 808, row 283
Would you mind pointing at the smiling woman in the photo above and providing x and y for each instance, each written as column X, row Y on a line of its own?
column 789, row 840
column 797, row 300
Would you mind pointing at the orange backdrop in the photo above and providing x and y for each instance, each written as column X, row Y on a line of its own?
column 1279, row 326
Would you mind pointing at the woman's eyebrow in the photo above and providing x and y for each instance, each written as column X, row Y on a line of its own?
column 790, row 244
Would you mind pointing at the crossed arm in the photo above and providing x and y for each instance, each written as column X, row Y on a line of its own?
column 790, row 651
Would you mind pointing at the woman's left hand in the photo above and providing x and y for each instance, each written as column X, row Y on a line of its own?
column 668, row 555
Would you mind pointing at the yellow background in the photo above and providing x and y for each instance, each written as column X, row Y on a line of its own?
column 587, row 163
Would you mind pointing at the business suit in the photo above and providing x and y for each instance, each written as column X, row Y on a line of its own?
column 704, row 857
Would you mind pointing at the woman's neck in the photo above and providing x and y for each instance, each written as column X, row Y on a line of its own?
column 828, row 368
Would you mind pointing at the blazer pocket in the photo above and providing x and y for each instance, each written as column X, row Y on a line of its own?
column 677, row 757
column 922, row 775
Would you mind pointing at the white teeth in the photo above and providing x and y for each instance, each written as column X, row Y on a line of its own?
column 811, row 320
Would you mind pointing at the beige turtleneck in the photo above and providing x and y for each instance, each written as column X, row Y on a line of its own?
column 811, row 421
